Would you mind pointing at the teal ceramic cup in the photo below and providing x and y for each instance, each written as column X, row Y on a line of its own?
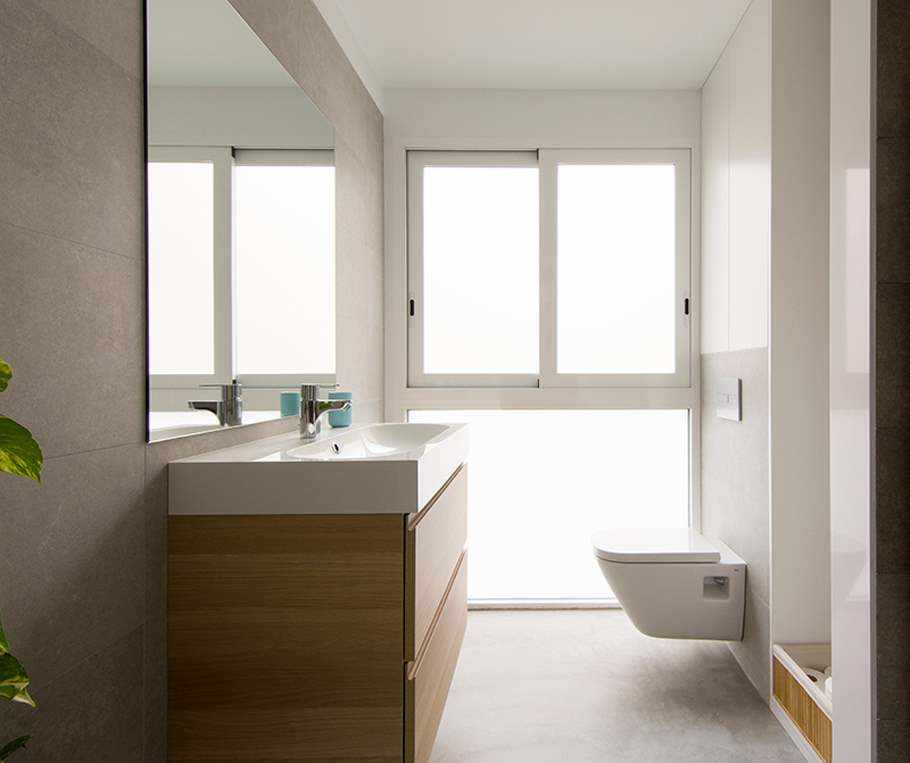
column 340, row 418
column 290, row 403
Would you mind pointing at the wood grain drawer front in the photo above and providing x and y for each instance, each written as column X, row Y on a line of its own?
column 809, row 717
column 429, row 678
column 284, row 638
column 435, row 540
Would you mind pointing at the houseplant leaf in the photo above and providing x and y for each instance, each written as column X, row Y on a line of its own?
column 4, row 644
column 20, row 454
column 14, row 680
column 6, row 373
column 10, row 747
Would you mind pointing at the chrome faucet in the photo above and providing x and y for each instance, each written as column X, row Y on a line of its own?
column 312, row 407
column 229, row 409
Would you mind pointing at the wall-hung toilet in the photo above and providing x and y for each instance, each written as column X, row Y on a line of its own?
column 675, row 583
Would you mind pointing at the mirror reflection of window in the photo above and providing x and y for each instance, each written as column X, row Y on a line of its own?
column 181, row 254
column 284, row 247
column 241, row 222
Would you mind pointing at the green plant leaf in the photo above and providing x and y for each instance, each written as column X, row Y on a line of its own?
column 10, row 747
column 20, row 454
column 14, row 680
column 6, row 373
column 4, row 644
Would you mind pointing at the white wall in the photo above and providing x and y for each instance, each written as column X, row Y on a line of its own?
column 736, row 210
column 736, row 119
column 798, row 364
column 851, row 384
column 243, row 117
column 765, row 284
column 551, row 118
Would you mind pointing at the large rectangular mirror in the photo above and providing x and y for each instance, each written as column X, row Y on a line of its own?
column 241, row 224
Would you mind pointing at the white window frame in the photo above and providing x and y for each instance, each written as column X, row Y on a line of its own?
column 417, row 162
column 550, row 161
column 220, row 159
column 223, row 160
column 547, row 161
column 283, row 157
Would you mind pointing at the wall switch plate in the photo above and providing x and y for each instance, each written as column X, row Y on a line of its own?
column 729, row 399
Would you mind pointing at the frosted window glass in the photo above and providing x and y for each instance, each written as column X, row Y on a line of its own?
column 181, row 268
column 480, row 270
column 285, row 258
column 532, row 509
column 616, row 269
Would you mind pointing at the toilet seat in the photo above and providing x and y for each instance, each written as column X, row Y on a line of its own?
column 655, row 546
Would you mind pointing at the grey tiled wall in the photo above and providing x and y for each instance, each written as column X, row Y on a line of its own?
column 735, row 499
column 82, row 555
column 892, row 386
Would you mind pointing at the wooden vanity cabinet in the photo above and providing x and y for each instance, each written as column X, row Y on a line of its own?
column 315, row 637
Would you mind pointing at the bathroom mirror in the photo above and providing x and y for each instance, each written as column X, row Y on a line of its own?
column 241, row 225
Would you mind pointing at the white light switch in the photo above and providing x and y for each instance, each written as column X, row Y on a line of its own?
column 729, row 399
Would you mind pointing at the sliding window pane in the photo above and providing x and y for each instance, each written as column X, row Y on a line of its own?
column 181, row 269
column 541, row 482
column 480, row 270
column 616, row 269
column 285, row 258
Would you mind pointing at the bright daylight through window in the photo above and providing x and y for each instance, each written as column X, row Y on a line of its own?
column 540, row 481
column 548, row 298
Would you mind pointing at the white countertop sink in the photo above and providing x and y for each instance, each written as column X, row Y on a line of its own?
column 370, row 469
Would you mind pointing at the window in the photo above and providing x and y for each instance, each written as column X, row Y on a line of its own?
column 476, row 269
column 188, row 232
column 285, row 260
column 241, row 267
column 533, row 509
column 548, row 306
column 567, row 270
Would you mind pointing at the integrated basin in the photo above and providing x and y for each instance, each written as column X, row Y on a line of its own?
column 379, row 441
column 370, row 469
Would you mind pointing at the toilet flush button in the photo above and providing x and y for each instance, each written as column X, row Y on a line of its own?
column 729, row 398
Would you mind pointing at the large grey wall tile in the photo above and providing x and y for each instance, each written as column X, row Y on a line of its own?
column 734, row 456
column 91, row 713
column 892, row 625
column 892, row 496
column 277, row 23
column 892, row 226
column 893, row 737
column 72, row 558
column 334, row 85
column 75, row 336
column 893, row 67
column 752, row 653
column 892, row 340
column 93, row 20
column 71, row 138
column 735, row 493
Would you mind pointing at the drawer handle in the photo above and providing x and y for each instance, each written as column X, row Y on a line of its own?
column 418, row 517
column 414, row 666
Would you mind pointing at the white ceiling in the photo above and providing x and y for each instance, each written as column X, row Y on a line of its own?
column 205, row 43
column 542, row 44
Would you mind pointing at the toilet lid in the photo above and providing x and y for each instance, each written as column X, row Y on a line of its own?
column 654, row 545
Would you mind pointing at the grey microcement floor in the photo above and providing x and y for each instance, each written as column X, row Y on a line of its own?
column 584, row 686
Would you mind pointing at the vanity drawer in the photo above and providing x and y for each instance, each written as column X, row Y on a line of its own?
column 435, row 540
column 429, row 677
